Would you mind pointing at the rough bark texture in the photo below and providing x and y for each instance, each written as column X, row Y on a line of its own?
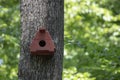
column 36, row 14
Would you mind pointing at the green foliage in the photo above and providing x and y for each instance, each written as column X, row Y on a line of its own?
column 92, row 39
column 9, row 39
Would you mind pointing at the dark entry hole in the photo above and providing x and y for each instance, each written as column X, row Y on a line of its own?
column 42, row 43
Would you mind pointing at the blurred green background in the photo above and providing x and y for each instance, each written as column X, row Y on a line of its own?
column 91, row 39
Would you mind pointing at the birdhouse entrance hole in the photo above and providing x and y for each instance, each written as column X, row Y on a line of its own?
column 42, row 43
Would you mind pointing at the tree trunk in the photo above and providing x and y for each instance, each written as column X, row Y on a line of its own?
column 36, row 14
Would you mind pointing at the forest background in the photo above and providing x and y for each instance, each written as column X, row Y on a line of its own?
column 91, row 39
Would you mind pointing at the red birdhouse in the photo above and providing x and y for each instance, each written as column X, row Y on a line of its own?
column 42, row 44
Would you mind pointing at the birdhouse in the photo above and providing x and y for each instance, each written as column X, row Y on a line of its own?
column 42, row 43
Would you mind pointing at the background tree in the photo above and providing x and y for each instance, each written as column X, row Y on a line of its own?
column 36, row 14
column 92, row 40
column 9, row 39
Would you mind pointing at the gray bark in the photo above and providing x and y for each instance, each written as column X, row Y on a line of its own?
column 36, row 14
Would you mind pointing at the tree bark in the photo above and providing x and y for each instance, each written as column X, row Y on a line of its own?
column 36, row 14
